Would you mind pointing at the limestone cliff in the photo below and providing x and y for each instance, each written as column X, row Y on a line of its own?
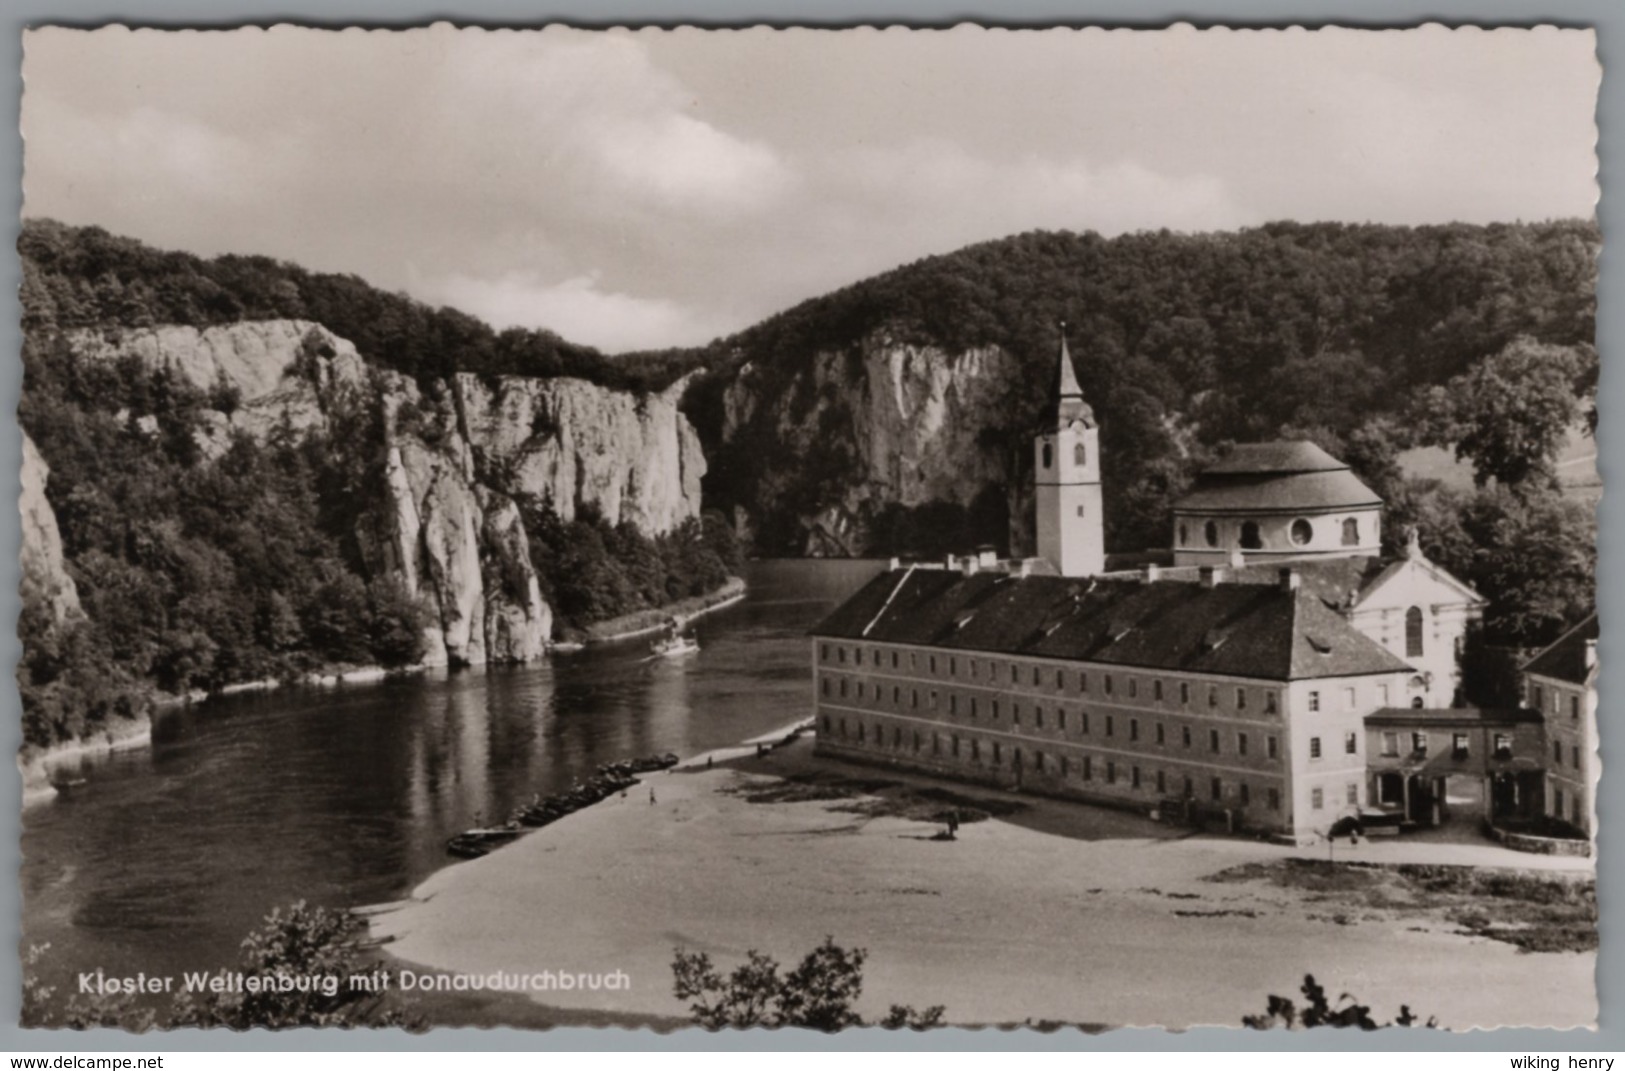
column 856, row 431
column 45, row 581
column 458, row 458
column 630, row 457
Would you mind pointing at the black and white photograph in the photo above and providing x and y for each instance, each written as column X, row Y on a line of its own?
column 691, row 529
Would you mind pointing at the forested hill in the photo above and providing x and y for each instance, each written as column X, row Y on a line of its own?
column 1315, row 328
column 86, row 277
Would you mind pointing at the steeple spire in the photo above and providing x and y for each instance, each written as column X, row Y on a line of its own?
column 1068, row 405
column 1068, row 386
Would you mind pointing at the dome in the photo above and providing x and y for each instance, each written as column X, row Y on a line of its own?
column 1277, row 477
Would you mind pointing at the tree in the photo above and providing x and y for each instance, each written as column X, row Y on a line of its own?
column 1510, row 414
column 1318, row 1011
column 818, row 994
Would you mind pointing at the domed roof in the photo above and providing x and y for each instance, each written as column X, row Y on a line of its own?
column 1277, row 477
column 1285, row 456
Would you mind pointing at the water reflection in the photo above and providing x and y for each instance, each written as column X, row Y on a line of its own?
column 167, row 856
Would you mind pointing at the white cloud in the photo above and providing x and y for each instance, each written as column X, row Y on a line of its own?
column 577, row 308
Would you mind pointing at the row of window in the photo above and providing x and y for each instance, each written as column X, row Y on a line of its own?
column 1575, row 809
column 1041, row 677
column 1301, row 532
column 1351, row 796
column 1080, row 722
column 1460, row 745
column 1574, row 753
column 1087, row 768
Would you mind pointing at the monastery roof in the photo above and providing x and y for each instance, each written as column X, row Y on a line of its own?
column 1276, row 477
column 1275, row 457
column 1567, row 659
column 1242, row 630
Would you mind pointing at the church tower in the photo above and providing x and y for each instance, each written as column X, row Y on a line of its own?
column 1066, row 467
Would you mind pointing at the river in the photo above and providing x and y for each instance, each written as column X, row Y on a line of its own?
column 167, row 856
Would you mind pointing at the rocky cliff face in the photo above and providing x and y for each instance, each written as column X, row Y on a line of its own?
column 887, row 423
column 45, row 581
column 458, row 459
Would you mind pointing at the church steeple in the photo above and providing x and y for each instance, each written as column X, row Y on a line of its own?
column 1067, row 404
column 1066, row 478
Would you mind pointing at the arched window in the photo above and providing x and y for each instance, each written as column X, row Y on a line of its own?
column 1351, row 532
column 1210, row 532
column 1049, row 455
column 1184, row 536
column 1302, row 532
column 1249, row 536
column 1080, row 454
column 1416, row 704
column 1413, row 632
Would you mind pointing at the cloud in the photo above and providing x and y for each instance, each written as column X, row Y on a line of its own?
column 577, row 308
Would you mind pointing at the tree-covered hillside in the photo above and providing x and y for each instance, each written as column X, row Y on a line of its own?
column 86, row 277
column 1366, row 338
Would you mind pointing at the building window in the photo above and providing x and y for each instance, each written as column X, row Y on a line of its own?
column 1162, row 782
column 1133, row 687
column 1557, row 752
column 1134, row 728
column 1270, row 703
column 823, row 685
column 1317, row 799
column 863, row 732
column 976, row 751
column 1065, row 766
column 1245, row 792
column 1111, row 772
column 1417, row 703
column 1038, row 716
column 1353, row 795
column 1156, row 689
column 1574, row 706
column 1083, row 722
column 932, row 662
column 1390, row 745
column 936, row 744
column 1134, row 777
column 1060, row 681
column 1272, row 747
column 1060, row 718
column 1088, row 768
column 973, row 708
column 840, row 654
column 1459, row 744
column 1503, row 746
column 1185, row 693
column 955, row 745
column 1382, row 695
column 914, row 698
column 1160, row 736
column 1015, row 713
column 1558, row 801
column 1107, row 684
column 1249, row 536
column 1351, row 743
column 1080, row 454
column 1537, row 697
column 1049, row 455
column 1189, row 788
column 1413, row 632
column 1216, row 789
column 1574, row 753
column 826, row 723
column 1302, row 532
column 843, row 687
column 994, row 706
column 1213, row 740
column 998, row 753
column 894, row 660
column 1015, row 673
column 897, row 738
column 1184, row 536
column 1213, row 695
column 1241, row 743
column 953, row 704
column 1275, row 799
column 1314, row 747
column 1185, row 732
column 1350, row 699
column 1314, row 702
column 1083, row 681
column 1036, row 675
column 1210, row 532
column 1351, row 532
column 1109, row 722
column 1419, row 743
column 843, row 728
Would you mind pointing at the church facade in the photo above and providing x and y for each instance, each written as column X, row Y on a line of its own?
column 1237, row 681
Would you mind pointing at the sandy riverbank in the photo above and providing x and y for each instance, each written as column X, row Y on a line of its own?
column 1058, row 912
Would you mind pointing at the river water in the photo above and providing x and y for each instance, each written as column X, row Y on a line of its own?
column 166, row 857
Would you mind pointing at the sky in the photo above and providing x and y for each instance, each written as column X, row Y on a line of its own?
column 638, row 190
